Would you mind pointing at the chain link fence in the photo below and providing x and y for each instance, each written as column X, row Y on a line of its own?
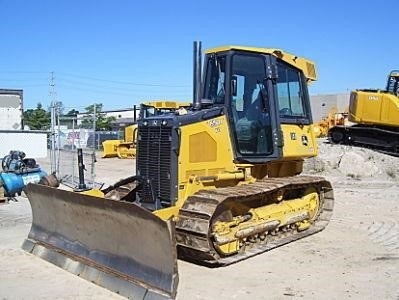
column 65, row 138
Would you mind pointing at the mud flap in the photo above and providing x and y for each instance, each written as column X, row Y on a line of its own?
column 115, row 244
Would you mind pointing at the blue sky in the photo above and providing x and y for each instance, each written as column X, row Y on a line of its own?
column 122, row 52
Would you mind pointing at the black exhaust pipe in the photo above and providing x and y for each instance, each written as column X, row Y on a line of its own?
column 197, row 76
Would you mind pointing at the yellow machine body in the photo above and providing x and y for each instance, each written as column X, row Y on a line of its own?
column 374, row 119
column 219, row 180
column 224, row 196
column 110, row 148
column 127, row 148
column 213, row 167
column 374, row 107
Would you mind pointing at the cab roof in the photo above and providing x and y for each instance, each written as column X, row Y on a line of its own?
column 306, row 65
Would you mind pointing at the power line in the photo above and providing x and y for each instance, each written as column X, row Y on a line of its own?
column 96, row 91
column 22, row 79
column 116, row 90
column 68, row 82
column 28, row 85
column 123, row 82
column 64, row 76
column 22, row 72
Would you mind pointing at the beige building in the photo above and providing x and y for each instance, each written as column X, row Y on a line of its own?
column 321, row 104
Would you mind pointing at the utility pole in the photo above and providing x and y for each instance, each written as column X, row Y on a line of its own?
column 53, row 122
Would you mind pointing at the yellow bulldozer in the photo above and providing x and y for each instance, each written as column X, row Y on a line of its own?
column 214, row 184
column 126, row 148
column 374, row 117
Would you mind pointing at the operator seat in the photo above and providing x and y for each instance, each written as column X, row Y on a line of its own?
column 248, row 128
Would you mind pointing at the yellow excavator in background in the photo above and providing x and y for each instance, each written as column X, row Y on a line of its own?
column 375, row 119
column 220, row 182
column 126, row 148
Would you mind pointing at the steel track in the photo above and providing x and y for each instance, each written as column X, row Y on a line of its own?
column 193, row 229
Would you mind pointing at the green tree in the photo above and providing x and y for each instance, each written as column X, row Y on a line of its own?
column 102, row 121
column 37, row 119
column 72, row 113
column 69, row 119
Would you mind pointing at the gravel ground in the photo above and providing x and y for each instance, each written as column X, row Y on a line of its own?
column 355, row 257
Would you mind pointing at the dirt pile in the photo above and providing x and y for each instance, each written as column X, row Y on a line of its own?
column 352, row 162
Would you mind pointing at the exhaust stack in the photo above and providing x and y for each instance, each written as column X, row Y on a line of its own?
column 197, row 75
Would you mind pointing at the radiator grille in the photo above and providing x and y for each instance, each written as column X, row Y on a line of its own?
column 154, row 164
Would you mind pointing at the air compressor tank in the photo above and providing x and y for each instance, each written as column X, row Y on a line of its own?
column 17, row 172
column 13, row 183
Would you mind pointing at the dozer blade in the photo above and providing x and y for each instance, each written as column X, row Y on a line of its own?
column 115, row 244
column 110, row 148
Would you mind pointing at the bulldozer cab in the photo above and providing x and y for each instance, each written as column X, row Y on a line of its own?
column 260, row 91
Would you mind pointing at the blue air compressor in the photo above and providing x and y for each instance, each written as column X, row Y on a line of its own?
column 17, row 172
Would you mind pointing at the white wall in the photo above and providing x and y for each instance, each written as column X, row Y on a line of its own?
column 34, row 144
column 340, row 101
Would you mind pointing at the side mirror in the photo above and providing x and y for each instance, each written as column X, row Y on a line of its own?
column 234, row 86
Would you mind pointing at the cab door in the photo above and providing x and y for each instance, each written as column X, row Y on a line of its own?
column 253, row 115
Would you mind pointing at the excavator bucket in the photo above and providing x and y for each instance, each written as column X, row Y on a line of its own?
column 115, row 244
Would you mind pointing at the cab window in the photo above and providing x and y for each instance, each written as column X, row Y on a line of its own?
column 290, row 93
column 215, row 89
